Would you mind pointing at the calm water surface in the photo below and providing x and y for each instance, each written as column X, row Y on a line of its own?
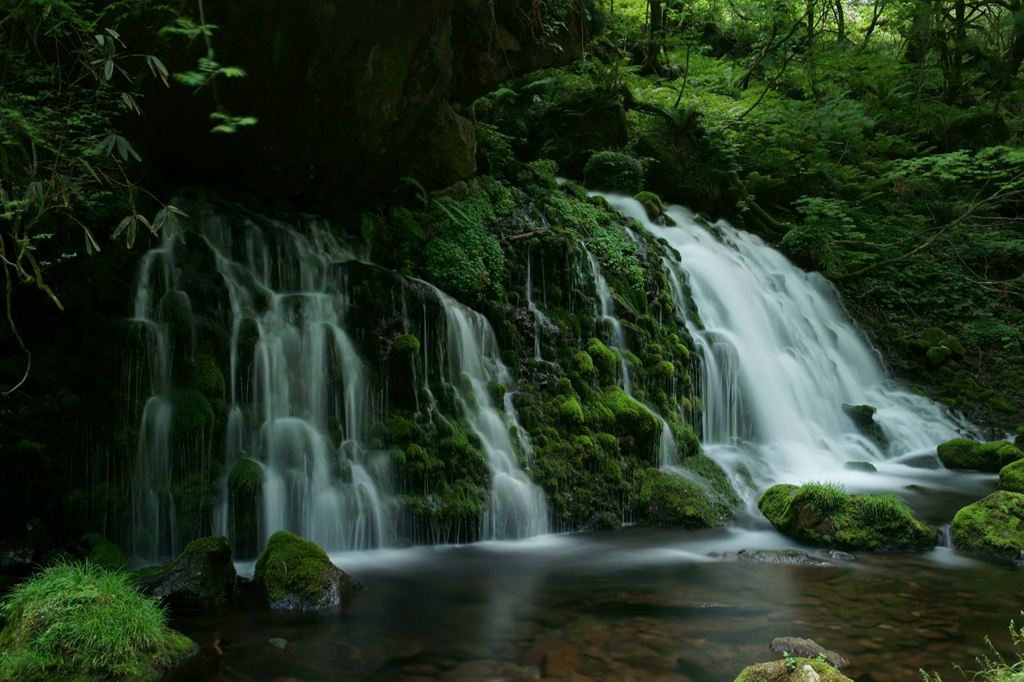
column 636, row 604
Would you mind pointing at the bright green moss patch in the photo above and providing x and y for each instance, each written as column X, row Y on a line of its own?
column 290, row 565
column 406, row 346
column 75, row 621
column 992, row 526
column 605, row 360
column 962, row 453
column 825, row 516
column 1011, row 477
column 652, row 204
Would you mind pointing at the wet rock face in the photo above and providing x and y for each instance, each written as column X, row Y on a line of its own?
column 807, row 648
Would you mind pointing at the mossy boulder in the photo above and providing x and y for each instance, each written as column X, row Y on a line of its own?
column 103, row 552
column 668, row 499
column 993, row 526
column 963, row 453
column 406, row 346
column 613, row 171
column 604, row 360
column 202, row 577
column 1011, row 477
column 652, row 204
column 245, row 485
column 297, row 575
column 795, row 671
column 825, row 516
column 82, row 622
column 635, row 426
column 937, row 347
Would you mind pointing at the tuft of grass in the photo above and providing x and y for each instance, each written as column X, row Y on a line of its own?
column 883, row 508
column 994, row 667
column 82, row 620
column 824, row 498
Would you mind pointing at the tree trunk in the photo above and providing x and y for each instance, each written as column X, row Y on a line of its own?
column 919, row 39
column 656, row 29
column 840, row 22
column 955, row 72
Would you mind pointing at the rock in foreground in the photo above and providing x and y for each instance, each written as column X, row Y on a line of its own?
column 993, row 526
column 202, row 577
column 803, row 670
column 297, row 575
column 825, row 516
column 807, row 648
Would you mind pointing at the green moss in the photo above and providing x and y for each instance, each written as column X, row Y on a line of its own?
column 651, row 203
column 406, row 346
column 570, row 412
column 192, row 412
column 104, row 553
column 462, row 255
column 825, row 516
column 207, row 378
column 992, row 526
column 584, row 364
column 290, row 565
column 719, row 489
column 777, row 671
column 667, row 499
column 605, row 360
column 626, row 417
column 399, row 431
column 1011, row 477
column 614, row 172
column 937, row 356
column 245, row 478
column 962, row 453
column 664, row 370
column 75, row 621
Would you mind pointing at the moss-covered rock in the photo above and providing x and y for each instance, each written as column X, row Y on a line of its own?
column 1011, row 477
column 636, row 427
column 614, row 171
column 825, row 516
column 83, row 622
column 794, row 670
column 297, row 575
column 652, row 204
column 668, row 499
column 993, row 526
column 863, row 417
column 962, row 453
column 406, row 346
column 103, row 552
column 605, row 360
column 202, row 577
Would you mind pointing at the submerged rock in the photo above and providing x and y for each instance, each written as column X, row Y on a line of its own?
column 202, row 577
column 826, row 516
column 861, row 466
column 781, row 556
column 297, row 575
column 921, row 462
column 962, row 453
column 807, row 648
column 803, row 670
column 863, row 417
column 993, row 526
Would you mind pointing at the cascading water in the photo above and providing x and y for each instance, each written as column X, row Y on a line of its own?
column 780, row 358
column 301, row 401
column 540, row 320
column 517, row 506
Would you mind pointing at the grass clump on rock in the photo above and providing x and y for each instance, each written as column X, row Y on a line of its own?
column 81, row 621
column 791, row 670
column 826, row 516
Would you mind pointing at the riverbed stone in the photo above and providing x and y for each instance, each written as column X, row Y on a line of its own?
column 993, row 526
column 1011, row 477
column 807, row 648
column 792, row 557
column 297, row 575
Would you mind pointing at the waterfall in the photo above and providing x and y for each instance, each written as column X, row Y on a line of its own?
column 540, row 320
column 302, row 397
column 779, row 359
